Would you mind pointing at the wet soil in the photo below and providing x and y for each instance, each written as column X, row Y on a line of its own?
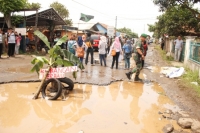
column 183, row 96
column 122, row 107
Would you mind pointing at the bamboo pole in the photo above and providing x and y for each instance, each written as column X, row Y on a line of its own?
column 42, row 82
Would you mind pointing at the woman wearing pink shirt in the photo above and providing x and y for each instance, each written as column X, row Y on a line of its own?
column 117, row 46
column 18, row 40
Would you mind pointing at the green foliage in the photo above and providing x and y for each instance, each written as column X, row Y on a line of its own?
column 33, row 5
column 128, row 32
column 186, row 4
column 60, row 9
column 68, row 22
column 16, row 19
column 8, row 6
column 57, row 56
column 175, row 21
column 38, row 63
column 191, row 76
column 163, row 54
column 42, row 37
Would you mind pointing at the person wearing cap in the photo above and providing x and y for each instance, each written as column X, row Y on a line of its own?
column 138, row 57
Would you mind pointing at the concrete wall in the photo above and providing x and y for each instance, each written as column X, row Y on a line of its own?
column 169, row 46
column 187, row 62
column 193, row 66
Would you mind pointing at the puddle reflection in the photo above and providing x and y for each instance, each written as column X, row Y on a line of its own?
column 119, row 107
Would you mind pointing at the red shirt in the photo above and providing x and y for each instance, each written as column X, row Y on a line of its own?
column 145, row 46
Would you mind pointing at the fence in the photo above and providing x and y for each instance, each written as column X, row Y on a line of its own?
column 195, row 52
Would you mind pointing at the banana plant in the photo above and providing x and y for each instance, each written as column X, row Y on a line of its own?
column 57, row 57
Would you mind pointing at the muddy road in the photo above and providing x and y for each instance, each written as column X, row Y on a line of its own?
column 103, row 100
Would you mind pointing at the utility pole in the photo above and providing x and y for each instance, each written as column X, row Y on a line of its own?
column 115, row 25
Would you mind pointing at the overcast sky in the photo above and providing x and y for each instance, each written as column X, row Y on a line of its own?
column 133, row 14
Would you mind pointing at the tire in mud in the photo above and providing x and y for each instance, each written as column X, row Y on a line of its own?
column 67, row 83
column 51, row 89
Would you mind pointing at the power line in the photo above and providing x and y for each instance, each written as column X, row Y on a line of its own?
column 92, row 8
column 123, row 18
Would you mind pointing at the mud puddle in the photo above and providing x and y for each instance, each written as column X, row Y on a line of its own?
column 122, row 107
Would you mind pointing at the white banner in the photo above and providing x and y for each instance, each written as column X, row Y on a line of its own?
column 110, row 31
column 21, row 30
column 59, row 72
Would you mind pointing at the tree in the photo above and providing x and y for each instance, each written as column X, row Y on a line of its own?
column 69, row 22
column 62, row 11
column 128, row 32
column 9, row 6
column 33, row 5
column 175, row 21
column 16, row 19
column 185, row 4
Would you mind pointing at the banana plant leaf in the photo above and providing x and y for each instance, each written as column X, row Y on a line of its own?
column 61, row 40
column 37, row 66
column 38, row 63
column 42, row 37
column 72, row 58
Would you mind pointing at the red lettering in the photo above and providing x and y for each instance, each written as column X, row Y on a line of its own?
column 55, row 70
column 58, row 70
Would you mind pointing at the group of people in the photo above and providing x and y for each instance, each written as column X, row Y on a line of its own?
column 10, row 40
column 83, row 45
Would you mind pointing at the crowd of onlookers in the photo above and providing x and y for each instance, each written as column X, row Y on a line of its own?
column 9, row 42
column 117, row 47
column 81, row 46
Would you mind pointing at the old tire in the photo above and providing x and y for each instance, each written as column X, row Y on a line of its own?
column 54, row 90
column 67, row 83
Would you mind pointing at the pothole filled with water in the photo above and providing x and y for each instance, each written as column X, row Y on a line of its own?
column 122, row 107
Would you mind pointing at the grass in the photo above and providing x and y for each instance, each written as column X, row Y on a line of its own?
column 163, row 54
column 187, row 78
column 191, row 76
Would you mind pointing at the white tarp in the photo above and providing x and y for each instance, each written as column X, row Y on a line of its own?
column 172, row 72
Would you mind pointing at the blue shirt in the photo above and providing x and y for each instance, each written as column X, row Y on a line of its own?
column 127, row 48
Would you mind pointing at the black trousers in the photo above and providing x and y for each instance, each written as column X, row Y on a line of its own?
column 162, row 46
column 108, row 49
column 142, row 63
column 11, row 49
column 1, row 49
column 91, row 51
column 115, row 58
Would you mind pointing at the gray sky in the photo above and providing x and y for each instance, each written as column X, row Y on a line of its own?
column 133, row 14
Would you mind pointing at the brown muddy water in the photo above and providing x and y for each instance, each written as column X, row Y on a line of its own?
column 122, row 107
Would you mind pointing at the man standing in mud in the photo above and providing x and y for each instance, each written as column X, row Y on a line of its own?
column 138, row 57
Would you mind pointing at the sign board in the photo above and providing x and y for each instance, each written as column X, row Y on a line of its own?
column 21, row 30
column 59, row 72
column 110, row 31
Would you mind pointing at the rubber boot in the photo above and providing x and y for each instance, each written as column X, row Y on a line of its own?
column 129, row 75
column 137, row 78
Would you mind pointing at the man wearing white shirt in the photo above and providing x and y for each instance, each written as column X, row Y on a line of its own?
column 178, row 48
column 11, row 42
